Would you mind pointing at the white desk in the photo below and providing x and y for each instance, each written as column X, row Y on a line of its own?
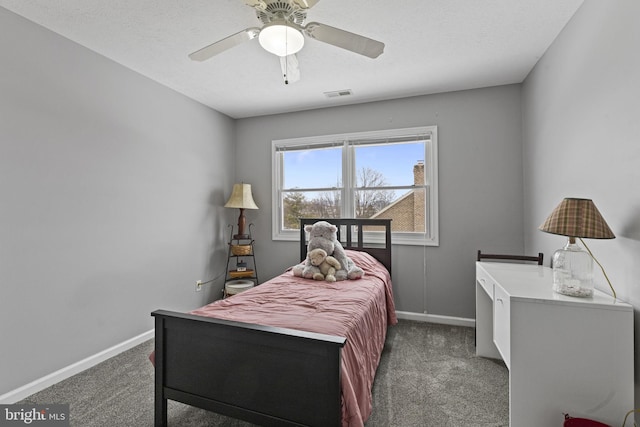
column 564, row 354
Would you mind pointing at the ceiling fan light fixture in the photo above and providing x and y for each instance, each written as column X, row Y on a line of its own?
column 281, row 38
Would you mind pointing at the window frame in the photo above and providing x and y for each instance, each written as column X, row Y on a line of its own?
column 345, row 140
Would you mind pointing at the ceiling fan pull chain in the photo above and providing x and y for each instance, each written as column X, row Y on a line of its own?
column 286, row 63
column 286, row 71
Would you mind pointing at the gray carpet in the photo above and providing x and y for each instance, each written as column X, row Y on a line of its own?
column 429, row 376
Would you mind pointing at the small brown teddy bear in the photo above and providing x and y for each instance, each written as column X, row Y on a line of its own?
column 326, row 263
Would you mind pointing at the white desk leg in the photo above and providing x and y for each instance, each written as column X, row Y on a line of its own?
column 484, row 325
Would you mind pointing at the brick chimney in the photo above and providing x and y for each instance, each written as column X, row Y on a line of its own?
column 418, row 173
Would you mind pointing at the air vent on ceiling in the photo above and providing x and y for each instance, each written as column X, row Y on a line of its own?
column 337, row 93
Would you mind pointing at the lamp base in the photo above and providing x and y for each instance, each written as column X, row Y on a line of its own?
column 573, row 271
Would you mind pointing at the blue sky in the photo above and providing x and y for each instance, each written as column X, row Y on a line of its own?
column 322, row 168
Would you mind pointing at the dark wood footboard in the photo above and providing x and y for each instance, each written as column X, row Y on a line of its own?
column 261, row 374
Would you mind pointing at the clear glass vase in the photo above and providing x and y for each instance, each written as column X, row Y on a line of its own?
column 573, row 271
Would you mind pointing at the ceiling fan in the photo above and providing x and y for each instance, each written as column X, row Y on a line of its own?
column 282, row 34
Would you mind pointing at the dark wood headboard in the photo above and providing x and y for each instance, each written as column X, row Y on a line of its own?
column 346, row 228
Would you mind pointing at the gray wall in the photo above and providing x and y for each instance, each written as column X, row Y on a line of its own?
column 480, row 177
column 581, row 106
column 111, row 189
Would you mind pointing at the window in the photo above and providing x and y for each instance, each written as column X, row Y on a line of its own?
column 381, row 174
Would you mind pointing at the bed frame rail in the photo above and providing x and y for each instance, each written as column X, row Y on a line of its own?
column 261, row 374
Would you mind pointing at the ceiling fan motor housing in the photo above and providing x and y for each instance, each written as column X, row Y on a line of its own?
column 281, row 10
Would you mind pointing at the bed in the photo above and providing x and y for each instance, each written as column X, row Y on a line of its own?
column 291, row 351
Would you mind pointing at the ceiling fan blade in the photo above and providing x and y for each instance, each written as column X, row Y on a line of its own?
column 344, row 39
column 306, row 4
column 290, row 68
column 224, row 44
column 260, row 4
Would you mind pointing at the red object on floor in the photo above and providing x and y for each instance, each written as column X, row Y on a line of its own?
column 582, row 422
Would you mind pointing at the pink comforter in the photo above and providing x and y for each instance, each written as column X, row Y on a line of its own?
column 359, row 310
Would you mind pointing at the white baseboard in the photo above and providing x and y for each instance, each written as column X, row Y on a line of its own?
column 435, row 318
column 71, row 370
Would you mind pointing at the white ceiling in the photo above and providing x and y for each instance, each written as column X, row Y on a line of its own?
column 431, row 46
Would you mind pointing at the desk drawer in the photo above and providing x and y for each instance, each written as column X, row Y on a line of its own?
column 502, row 323
column 485, row 281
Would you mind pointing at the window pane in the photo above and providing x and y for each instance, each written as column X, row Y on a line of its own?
column 406, row 209
column 370, row 202
column 389, row 165
column 308, row 204
column 319, row 168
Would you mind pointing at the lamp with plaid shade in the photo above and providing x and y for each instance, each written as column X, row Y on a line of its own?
column 573, row 267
